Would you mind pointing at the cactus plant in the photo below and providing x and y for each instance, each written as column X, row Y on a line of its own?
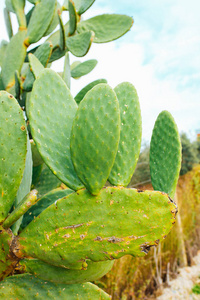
column 77, row 227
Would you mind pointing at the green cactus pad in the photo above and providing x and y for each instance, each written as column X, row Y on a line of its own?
column 52, row 98
column 54, row 38
column 43, row 54
column 106, row 27
column 165, row 154
column 13, row 58
column 9, row 6
column 1, row 83
column 34, row 1
column 36, row 174
column 72, row 17
column 130, row 135
column 57, row 54
column 47, row 181
column 38, row 268
column 29, row 14
column 43, row 203
column 12, row 150
column 24, row 69
column 8, row 23
column 25, row 185
column 62, row 42
column 95, row 136
column 37, row 159
column 18, row 6
column 75, row 64
column 3, row 47
column 80, row 44
column 26, row 287
column 67, row 72
column 82, row 5
column 54, row 21
column 83, row 68
column 5, row 261
column 40, row 21
column 35, row 65
column 117, row 222
column 88, row 87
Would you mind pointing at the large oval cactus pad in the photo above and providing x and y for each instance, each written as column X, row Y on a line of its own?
column 165, row 154
column 95, row 136
column 51, row 112
column 13, row 149
column 130, row 135
column 26, row 287
column 107, row 27
column 117, row 222
column 40, row 269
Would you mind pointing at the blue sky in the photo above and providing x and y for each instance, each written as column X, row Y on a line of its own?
column 160, row 56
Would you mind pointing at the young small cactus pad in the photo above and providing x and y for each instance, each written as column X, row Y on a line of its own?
column 80, row 44
column 165, row 154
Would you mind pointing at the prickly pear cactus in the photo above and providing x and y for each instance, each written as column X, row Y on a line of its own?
column 60, row 227
column 26, row 286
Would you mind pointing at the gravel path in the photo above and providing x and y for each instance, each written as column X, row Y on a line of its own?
column 180, row 288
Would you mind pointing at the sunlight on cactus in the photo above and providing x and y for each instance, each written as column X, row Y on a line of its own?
column 65, row 149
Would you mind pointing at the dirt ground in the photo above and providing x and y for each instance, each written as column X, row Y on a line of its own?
column 180, row 288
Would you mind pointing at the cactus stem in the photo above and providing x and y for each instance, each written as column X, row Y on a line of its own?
column 29, row 200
